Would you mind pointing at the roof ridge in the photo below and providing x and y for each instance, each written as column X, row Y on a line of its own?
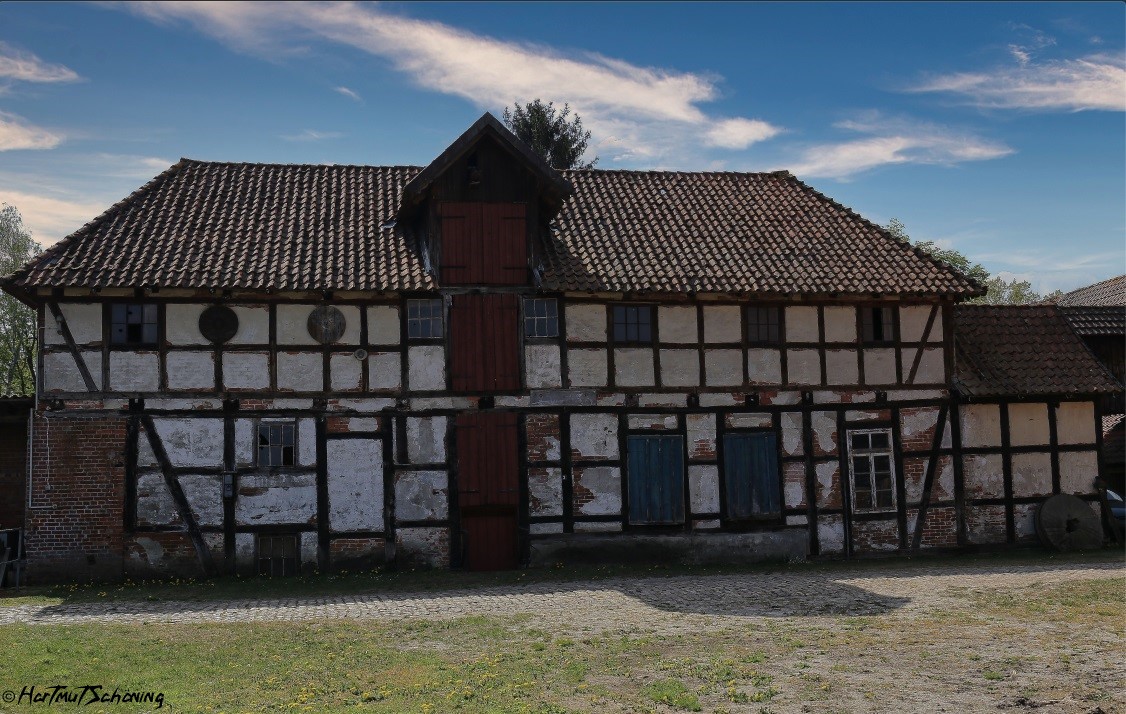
column 200, row 162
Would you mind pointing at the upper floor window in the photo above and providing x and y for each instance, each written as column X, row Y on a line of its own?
column 541, row 317
column 134, row 324
column 276, row 442
column 424, row 319
column 633, row 323
column 873, row 474
column 764, row 325
column 877, row 324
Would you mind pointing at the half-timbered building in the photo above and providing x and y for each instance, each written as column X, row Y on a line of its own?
column 485, row 363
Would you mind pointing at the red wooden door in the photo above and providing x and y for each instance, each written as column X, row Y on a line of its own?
column 484, row 244
column 485, row 343
column 488, row 489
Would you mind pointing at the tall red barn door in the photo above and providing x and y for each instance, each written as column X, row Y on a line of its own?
column 488, row 489
column 485, row 343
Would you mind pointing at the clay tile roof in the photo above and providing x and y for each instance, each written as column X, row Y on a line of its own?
column 1096, row 321
column 1108, row 292
column 1114, row 439
column 293, row 227
column 1020, row 350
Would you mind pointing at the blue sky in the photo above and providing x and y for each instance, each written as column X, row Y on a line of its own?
column 995, row 129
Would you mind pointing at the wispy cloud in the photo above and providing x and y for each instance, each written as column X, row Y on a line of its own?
column 893, row 141
column 50, row 218
column 350, row 93
column 17, row 133
column 632, row 110
column 313, row 135
column 21, row 66
column 1096, row 82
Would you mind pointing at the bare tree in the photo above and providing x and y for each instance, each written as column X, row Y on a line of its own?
column 17, row 321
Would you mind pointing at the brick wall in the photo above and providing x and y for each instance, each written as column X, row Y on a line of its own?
column 75, row 522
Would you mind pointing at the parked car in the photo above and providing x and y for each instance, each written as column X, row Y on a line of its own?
column 1117, row 507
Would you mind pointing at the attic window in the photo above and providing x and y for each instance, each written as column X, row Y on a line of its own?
column 134, row 325
column 878, row 324
column 633, row 323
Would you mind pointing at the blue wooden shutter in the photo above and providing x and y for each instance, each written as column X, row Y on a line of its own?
column 656, row 479
column 750, row 471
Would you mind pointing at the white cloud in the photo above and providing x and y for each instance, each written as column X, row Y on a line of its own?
column 25, row 67
column 1095, row 82
column 893, row 141
column 51, row 218
column 16, row 133
column 350, row 93
column 313, row 135
column 639, row 111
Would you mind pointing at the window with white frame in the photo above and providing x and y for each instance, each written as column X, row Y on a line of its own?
column 425, row 319
column 541, row 317
column 277, row 443
column 873, row 470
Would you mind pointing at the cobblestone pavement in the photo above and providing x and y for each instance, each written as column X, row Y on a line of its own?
column 645, row 604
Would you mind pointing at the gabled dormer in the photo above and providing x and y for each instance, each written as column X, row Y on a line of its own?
column 482, row 206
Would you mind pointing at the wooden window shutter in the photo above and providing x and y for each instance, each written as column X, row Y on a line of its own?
column 484, row 244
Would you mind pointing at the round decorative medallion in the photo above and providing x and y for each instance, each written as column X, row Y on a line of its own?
column 218, row 323
column 326, row 324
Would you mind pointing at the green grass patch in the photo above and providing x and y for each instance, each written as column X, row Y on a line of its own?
column 673, row 693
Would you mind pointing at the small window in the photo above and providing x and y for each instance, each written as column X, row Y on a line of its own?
column 277, row 555
column 873, row 472
column 764, row 324
column 276, row 443
column 424, row 319
column 541, row 317
column 877, row 324
column 133, row 324
column 633, row 323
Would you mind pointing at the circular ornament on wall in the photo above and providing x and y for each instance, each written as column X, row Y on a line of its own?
column 218, row 323
column 326, row 324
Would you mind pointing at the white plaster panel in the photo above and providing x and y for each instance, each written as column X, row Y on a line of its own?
column 824, row 425
column 917, row 421
column 204, row 493
column 913, row 322
column 651, row 421
column 605, row 486
column 793, row 484
column 801, row 324
column 723, row 323
column 246, row 370
column 307, row 442
column 595, row 436
column 83, row 319
column 830, row 534
column 749, row 420
column 134, row 371
column 879, row 366
column 764, row 366
column 276, row 498
column 597, row 527
column 826, row 474
column 426, row 440
column 633, row 367
column 545, row 492
column 680, row 368
column 426, row 368
column 792, row 433
column 701, row 430
column 246, row 441
column 652, row 400
column 191, row 370
column 362, row 404
column 841, row 367
column 932, row 366
column 1075, row 423
column 293, row 325
column 191, row 441
column 542, row 369
column 981, row 425
column 1078, row 471
column 300, row 371
column 345, row 372
column 545, row 528
column 421, row 495
column 309, row 544
column 383, row 325
column 355, row 484
column 720, row 399
column 145, row 456
column 61, row 374
column 840, row 324
column 677, row 324
column 703, row 488
column 384, row 370
column 155, row 506
column 1028, row 424
column 245, row 552
column 181, row 324
column 351, row 334
column 984, row 475
column 803, row 367
column 723, row 368
column 586, row 322
column 587, row 368
column 253, row 325
column 1032, row 475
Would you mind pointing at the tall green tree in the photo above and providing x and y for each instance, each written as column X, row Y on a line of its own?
column 552, row 133
column 17, row 321
column 1000, row 291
